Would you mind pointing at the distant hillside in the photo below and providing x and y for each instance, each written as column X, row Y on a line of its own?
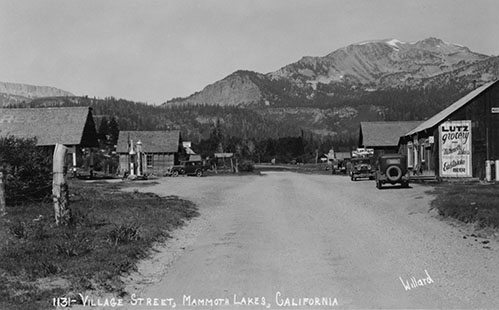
column 12, row 93
column 338, row 122
column 195, row 122
column 350, row 73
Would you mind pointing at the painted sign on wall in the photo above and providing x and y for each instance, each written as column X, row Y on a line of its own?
column 455, row 149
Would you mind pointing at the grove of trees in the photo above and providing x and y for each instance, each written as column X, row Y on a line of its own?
column 27, row 170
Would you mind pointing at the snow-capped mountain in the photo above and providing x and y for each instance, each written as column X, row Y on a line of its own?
column 366, row 66
column 381, row 64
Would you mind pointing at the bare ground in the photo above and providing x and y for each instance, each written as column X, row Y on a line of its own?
column 287, row 237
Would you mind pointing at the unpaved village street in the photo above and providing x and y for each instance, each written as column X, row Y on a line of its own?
column 283, row 239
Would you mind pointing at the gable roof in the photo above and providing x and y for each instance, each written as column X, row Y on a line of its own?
column 166, row 141
column 445, row 113
column 376, row 134
column 343, row 155
column 68, row 126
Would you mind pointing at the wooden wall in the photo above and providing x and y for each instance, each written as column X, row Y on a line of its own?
column 160, row 162
column 485, row 131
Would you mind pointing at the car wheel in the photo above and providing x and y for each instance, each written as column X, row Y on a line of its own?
column 199, row 173
column 393, row 173
column 405, row 184
column 175, row 173
column 378, row 184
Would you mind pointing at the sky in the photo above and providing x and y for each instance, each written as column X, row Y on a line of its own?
column 152, row 51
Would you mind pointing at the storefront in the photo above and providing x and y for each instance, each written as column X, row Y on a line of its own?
column 457, row 142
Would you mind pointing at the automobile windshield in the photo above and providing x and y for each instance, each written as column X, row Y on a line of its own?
column 393, row 161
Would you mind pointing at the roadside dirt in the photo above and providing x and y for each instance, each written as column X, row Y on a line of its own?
column 290, row 238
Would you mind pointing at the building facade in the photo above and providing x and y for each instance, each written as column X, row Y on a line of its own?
column 151, row 152
column 457, row 141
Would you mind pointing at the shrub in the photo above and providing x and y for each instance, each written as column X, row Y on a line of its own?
column 27, row 170
column 246, row 166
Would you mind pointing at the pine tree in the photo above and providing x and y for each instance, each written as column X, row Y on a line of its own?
column 114, row 131
column 103, row 131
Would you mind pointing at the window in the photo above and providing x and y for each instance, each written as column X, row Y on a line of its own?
column 410, row 155
column 149, row 160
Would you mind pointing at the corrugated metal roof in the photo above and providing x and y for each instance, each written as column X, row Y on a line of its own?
column 48, row 125
column 445, row 113
column 379, row 134
column 166, row 141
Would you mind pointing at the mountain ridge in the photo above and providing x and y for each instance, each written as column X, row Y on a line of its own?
column 366, row 66
column 12, row 93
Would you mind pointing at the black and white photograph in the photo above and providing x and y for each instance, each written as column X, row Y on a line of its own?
column 249, row 154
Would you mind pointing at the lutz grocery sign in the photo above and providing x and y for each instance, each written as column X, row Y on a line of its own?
column 455, row 149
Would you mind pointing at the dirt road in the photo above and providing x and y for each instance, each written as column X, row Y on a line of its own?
column 288, row 240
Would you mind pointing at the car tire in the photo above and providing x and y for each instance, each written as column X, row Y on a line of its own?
column 199, row 173
column 405, row 184
column 390, row 173
column 175, row 173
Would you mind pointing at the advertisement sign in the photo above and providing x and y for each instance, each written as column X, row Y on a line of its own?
column 455, row 149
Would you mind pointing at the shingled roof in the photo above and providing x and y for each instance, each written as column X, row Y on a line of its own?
column 152, row 141
column 382, row 134
column 68, row 126
column 445, row 113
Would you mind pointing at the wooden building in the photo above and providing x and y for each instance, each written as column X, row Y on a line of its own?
column 73, row 127
column 383, row 137
column 457, row 141
column 343, row 155
column 160, row 150
column 189, row 153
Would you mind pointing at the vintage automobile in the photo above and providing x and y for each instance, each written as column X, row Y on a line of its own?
column 188, row 168
column 391, row 168
column 339, row 166
column 361, row 168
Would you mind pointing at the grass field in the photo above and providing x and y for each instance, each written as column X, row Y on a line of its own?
column 110, row 231
column 470, row 203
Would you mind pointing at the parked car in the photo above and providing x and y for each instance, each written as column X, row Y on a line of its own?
column 391, row 168
column 188, row 168
column 339, row 166
column 361, row 168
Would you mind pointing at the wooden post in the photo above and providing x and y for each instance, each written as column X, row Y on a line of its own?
column 2, row 196
column 60, row 193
